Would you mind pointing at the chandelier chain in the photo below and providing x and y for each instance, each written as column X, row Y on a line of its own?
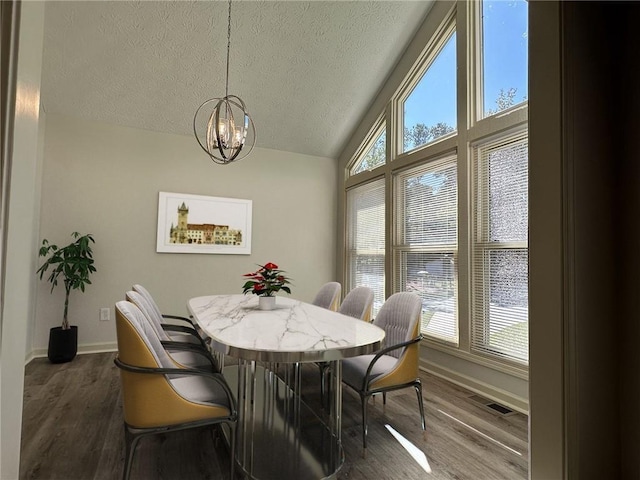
column 226, row 88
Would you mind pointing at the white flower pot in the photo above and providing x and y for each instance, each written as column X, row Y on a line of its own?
column 266, row 303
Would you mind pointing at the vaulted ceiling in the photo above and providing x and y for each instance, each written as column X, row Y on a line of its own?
column 306, row 70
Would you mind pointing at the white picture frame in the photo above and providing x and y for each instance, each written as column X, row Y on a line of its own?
column 201, row 224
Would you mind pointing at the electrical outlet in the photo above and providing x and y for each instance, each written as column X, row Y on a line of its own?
column 105, row 314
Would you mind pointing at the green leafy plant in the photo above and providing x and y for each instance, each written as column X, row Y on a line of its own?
column 73, row 263
column 266, row 281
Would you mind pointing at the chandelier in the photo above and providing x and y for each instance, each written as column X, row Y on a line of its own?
column 226, row 133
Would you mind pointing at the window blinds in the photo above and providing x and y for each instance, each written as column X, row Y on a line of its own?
column 366, row 238
column 500, row 254
column 425, row 250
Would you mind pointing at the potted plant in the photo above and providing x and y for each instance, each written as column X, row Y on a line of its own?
column 265, row 282
column 73, row 264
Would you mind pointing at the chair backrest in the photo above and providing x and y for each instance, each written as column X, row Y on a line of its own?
column 328, row 296
column 149, row 298
column 399, row 317
column 150, row 312
column 138, row 342
column 358, row 303
column 156, row 400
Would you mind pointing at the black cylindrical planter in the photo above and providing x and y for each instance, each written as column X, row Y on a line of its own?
column 63, row 344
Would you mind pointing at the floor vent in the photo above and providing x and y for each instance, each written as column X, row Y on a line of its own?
column 491, row 405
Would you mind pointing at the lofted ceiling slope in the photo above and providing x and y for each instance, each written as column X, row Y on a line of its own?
column 306, row 70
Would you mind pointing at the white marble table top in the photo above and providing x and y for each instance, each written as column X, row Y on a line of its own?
column 293, row 332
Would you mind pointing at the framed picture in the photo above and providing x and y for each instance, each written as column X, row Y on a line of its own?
column 198, row 224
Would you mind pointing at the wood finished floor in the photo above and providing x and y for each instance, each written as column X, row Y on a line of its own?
column 72, row 430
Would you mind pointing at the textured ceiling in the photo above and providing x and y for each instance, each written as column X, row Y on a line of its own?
column 306, row 70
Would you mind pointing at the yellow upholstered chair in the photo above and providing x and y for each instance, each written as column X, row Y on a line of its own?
column 328, row 296
column 160, row 395
column 184, row 348
column 179, row 328
column 395, row 366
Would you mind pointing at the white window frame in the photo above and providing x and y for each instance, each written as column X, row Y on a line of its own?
column 429, row 55
column 374, row 133
column 463, row 17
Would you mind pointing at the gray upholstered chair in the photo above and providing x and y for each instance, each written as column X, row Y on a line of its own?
column 160, row 396
column 357, row 304
column 396, row 365
column 328, row 296
column 186, row 349
column 173, row 323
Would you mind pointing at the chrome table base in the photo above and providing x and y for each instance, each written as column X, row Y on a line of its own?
column 279, row 436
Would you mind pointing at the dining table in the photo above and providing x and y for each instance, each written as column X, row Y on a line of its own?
column 278, row 435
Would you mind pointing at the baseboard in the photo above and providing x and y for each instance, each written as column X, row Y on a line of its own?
column 82, row 349
column 514, row 402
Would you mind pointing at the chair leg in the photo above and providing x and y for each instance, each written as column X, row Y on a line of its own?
column 322, row 384
column 219, row 361
column 131, row 442
column 232, row 442
column 418, row 387
column 327, row 374
column 364, row 400
column 215, row 436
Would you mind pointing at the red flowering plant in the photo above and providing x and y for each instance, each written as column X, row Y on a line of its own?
column 266, row 281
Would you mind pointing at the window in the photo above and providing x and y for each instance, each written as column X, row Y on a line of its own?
column 425, row 251
column 366, row 239
column 500, row 288
column 430, row 108
column 455, row 155
column 504, row 53
column 374, row 157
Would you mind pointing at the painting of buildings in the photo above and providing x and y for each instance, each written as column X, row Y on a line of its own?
column 202, row 233
column 199, row 224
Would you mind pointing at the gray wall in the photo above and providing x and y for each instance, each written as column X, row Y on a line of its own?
column 105, row 179
column 19, row 238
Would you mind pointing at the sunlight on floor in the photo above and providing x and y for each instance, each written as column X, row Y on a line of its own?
column 417, row 454
column 480, row 433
